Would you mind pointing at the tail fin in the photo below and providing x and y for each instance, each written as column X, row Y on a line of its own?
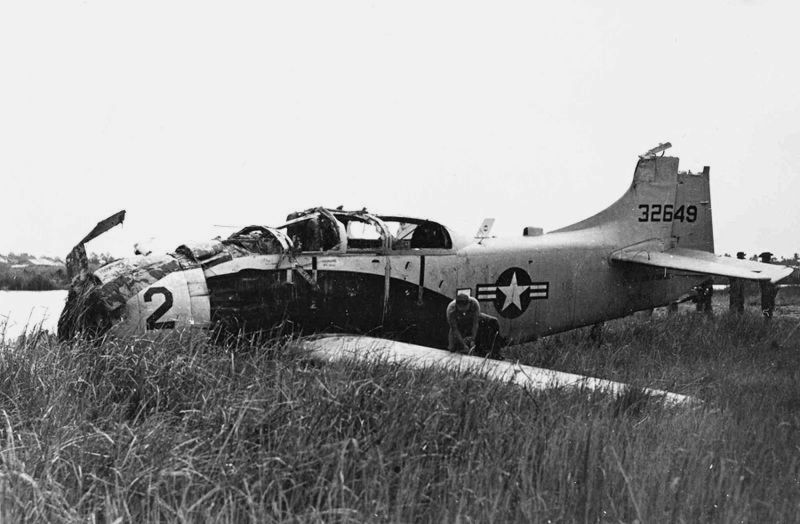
column 660, row 205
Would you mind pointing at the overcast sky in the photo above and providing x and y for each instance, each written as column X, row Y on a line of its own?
column 195, row 114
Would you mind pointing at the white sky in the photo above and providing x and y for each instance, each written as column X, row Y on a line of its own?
column 190, row 114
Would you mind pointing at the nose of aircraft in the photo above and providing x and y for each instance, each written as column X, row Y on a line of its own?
column 136, row 295
column 84, row 312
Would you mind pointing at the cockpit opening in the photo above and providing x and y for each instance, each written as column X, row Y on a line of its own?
column 414, row 233
column 321, row 229
column 314, row 230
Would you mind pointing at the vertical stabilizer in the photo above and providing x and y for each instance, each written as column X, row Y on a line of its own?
column 640, row 214
column 662, row 206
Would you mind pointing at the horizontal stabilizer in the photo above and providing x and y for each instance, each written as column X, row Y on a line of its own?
column 703, row 262
column 348, row 347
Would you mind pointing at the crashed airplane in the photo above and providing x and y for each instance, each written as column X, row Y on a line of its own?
column 329, row 270
column 355, row 272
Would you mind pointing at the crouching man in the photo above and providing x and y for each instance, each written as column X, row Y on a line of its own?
column 471, row 331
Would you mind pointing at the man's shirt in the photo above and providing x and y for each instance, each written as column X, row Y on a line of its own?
column 463, row 320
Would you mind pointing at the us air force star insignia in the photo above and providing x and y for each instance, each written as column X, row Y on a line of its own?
column 513, row 292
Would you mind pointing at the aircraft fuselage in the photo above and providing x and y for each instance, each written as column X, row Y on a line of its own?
column 328, row 270
column 533, row 286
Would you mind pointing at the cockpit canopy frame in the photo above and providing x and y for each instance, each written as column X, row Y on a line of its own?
column 334, row 230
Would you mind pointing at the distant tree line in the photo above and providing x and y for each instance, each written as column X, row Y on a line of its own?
column 25, row 272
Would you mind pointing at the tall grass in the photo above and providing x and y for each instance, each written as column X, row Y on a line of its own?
column 183, row 430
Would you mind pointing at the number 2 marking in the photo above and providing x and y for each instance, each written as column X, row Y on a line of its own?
column 655, row 213
column 152, row 320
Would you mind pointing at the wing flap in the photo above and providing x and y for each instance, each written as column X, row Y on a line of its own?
column 703, row 262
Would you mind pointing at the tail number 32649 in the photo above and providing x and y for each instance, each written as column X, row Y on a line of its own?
column 667, row 213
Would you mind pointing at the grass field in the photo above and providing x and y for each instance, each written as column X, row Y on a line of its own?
column 186, row 431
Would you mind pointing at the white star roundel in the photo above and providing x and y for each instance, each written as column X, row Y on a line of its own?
column 513, row 292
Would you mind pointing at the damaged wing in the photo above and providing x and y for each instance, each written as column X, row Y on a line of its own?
column 345, row 347
column 703, row 262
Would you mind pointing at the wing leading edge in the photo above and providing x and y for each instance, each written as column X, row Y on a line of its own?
column 703, row 262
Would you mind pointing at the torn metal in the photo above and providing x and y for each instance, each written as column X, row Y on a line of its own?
column 77, row 262
column 258, row 277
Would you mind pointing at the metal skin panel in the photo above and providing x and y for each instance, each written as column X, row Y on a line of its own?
column 262, row 262
column 583, row 287
column 177, row 301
